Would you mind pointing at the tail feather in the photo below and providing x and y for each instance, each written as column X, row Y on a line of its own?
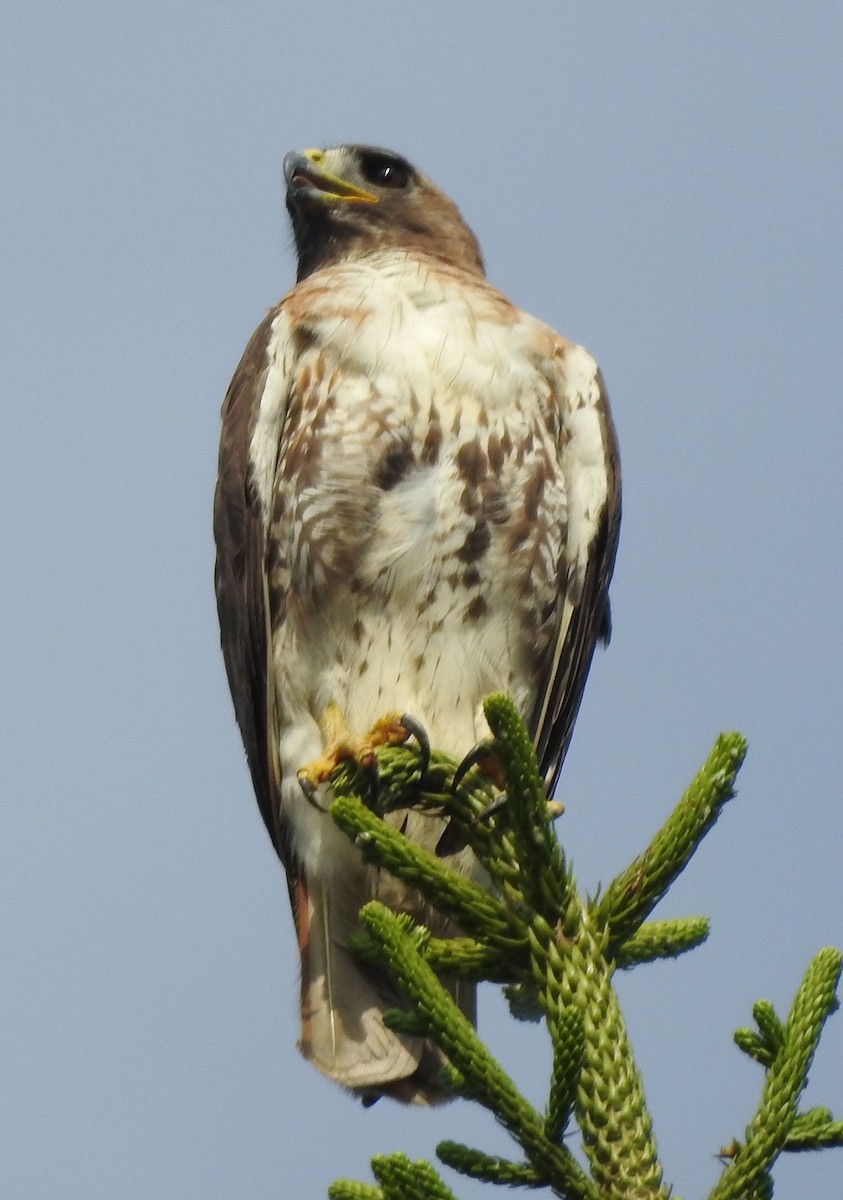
column 342, row 1001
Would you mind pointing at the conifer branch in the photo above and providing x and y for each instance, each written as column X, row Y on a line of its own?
column 557, row 953
column 488, row 1167
column 661, row 939
column 786, row 1075
column 814, row 1130
column 480, row 1076
column 348, row 1189
column 472, row 907
column 405, row 1180
column 631, row 897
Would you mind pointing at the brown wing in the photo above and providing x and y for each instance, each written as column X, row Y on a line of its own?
column 585, row 616
column 240, row 577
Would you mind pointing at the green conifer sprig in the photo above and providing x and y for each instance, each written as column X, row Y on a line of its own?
column 349, row 1189
column 631, row 897
column 753, row 1046
column 814, row 1130
column 484, row 1079
column 402, row 1179
column 786, row 1075
column 558, row 952
column 609, row 1107
column 764, row 1045
column 468, row 959
column 545, row 882
column 405, row 779
column 473, row 908
column 489, row 1168
column 568, row 1042
column 399, row 1179
column 661, row 939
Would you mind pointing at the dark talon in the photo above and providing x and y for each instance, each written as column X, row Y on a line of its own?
column 451, row 842
column 453, row 839
column 418, row 731
column 498, row 805
column 310, row 794
column 474, row 758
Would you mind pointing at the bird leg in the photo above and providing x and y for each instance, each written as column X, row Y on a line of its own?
column 341, row 744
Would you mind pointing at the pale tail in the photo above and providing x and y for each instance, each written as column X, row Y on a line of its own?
column 342, row 1003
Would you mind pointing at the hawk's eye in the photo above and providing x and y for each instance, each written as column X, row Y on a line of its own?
column 385, row 171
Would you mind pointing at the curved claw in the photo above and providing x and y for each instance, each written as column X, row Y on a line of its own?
column 498, row 805
column 418, row 731
column 451, row 841
column 475, row 757
column 310, row 793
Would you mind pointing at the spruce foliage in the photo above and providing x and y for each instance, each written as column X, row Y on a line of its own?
column 556, row 952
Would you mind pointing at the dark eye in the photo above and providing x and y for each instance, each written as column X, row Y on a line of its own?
column 385, row 171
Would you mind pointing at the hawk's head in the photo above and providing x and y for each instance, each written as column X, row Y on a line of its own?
column 349, row 201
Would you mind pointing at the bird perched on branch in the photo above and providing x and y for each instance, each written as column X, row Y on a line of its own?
column 417, row 504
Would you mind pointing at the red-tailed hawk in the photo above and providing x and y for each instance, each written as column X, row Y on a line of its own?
column 417, row 505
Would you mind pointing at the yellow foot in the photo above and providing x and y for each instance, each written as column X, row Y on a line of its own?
column 341, row 744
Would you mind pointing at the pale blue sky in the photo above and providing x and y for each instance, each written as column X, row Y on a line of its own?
column 661, row 183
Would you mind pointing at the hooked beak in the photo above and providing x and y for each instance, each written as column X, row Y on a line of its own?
column 306, row 179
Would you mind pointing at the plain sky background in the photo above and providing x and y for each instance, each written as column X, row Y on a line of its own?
column 660, row 182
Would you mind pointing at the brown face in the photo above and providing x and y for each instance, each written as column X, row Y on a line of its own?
column 349, row 201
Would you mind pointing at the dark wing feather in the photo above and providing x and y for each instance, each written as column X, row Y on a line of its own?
column 240, row 577
column 590, row 620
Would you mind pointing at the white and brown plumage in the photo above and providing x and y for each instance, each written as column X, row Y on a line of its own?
column 418, row 504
